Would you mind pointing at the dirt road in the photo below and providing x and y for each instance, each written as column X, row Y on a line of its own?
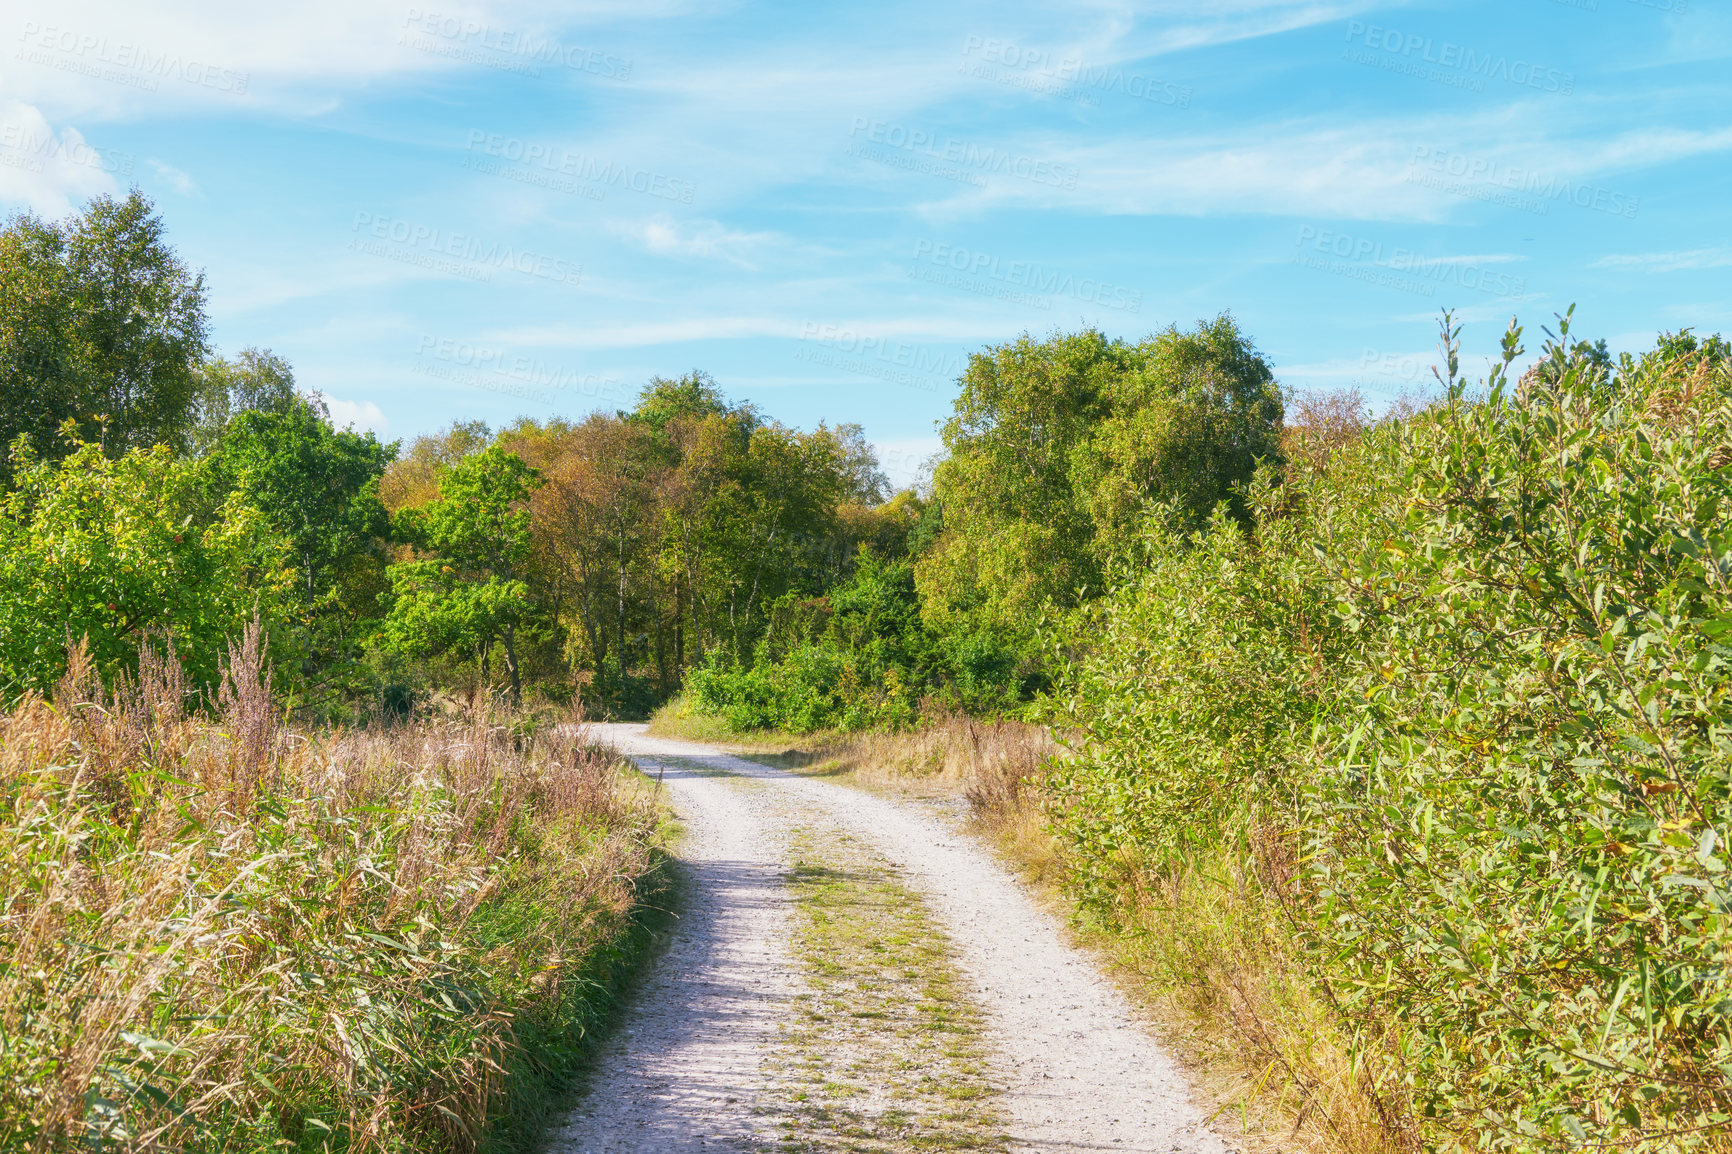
column 727, row 1047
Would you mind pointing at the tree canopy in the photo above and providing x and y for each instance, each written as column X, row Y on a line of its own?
column 1059, row 448
column 102, row 325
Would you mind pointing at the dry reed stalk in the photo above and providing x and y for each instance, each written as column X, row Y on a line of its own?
column 308, row 890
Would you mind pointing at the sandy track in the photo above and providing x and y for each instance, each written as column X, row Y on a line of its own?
column 685, row 1070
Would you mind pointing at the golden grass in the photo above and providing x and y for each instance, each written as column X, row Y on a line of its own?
column 224, row 934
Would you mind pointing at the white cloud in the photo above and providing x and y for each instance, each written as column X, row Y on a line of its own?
column 118, row 57
column 1383, row 169
column 47, row 171
column 645, row 333
column 709, row 239
column 648, row 333
column 178, row 180
column 349, row 414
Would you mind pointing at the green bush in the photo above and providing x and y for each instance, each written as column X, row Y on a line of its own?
column 1461, row 697
column 115, row 551
column 860, row 659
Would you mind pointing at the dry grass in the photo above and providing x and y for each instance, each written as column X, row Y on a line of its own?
column 222, row 934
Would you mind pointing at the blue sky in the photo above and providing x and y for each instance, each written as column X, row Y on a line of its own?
column 465, row 211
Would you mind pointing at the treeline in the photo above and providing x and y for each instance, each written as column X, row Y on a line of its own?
column 156, row 489
column 153, row 489
column 644, row 543
column 1057, row 454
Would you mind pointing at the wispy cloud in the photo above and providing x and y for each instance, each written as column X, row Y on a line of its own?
column 352, row 414
column 1369, row 169
column 1668, row 261
column 178, row 180
column 46, row 170
column 662, row 235
column 741, row 328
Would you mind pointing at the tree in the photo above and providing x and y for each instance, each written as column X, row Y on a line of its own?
column 1015, row 536
column 1059, row 449
column 37, row 380
column 114, row 551
column 413, row 478
column 100, row 324
column 255, row 381
column 1187, row 428
column 469, row 593
column 318, row 486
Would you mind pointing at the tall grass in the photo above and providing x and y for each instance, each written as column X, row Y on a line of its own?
column 219, row 933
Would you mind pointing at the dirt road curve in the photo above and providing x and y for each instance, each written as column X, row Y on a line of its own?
column 692, row 1066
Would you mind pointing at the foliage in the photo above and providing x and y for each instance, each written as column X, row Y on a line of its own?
column 1461, row 703
column 256, row 381
column 117, row 550
column 861, row 658
column 1059, row 448
column 100, row 324
column 317, row 486
column 468, row 594
column 666, row 535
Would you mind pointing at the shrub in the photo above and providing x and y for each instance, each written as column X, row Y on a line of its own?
column 114, row 551
column 860, row 659
column 1461, row 704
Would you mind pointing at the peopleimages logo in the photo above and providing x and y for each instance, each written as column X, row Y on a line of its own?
column 480, row 255
column 1364, row 259
column 1070, row 77
column 892, row 361
column 1024, row 275
column 32, row 149
column 86, row 52
column 1465, row 175
column 1408, row 367
column 969, row 159
column 510, row 50
column 501, row 371
column 562, row 162
column 1447, row 61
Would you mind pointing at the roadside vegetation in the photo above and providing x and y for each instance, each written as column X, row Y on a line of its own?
column 222, row 934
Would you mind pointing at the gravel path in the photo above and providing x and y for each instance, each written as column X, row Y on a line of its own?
column 685, row 1070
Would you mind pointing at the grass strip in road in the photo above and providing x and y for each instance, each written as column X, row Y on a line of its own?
column 884, row 1051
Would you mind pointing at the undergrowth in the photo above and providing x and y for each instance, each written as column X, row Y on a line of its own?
column 1443, row 745
column 221, row 934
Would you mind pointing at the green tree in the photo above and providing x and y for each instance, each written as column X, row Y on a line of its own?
column 469, row 592
column 1059, row 448
column 318, row 486
column 100, row 324
column 113, row 551
column 257, row 380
